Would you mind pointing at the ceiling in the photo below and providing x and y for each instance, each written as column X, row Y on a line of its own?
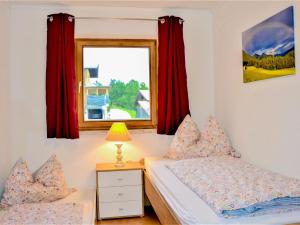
column 196, row 4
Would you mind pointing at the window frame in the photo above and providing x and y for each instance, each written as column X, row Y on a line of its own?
column 80, row 43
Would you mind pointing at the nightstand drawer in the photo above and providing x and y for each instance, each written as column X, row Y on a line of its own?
column 120, row 194
column 120, row 209
column 119, row 178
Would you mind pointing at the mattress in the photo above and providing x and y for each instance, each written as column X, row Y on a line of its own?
column 190, row 209
column 86, row 197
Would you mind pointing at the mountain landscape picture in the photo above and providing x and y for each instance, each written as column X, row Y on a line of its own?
column 269, row 48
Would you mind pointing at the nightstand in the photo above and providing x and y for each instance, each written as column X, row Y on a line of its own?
column 120, row 190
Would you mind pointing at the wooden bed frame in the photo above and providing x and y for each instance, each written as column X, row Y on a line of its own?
column 162, row 209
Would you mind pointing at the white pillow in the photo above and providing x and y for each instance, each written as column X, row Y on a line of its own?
column 214, row 140
column 22, row 188
column 235, row 153
column 184, row 142
column 51, row 174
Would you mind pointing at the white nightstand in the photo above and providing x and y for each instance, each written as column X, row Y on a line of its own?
column 120, row 190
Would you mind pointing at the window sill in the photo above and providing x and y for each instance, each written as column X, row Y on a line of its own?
column 132, row 131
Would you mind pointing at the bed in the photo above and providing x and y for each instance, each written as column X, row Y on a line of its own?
column 175, row 203
column 82, row 204
column 87, row 197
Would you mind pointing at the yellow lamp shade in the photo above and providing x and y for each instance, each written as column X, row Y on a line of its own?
column 118, row 132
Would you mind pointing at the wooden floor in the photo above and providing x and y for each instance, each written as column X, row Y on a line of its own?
column 150, row 218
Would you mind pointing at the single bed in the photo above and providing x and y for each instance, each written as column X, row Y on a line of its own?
column 175, row 203
column 87, row 197
column 83, row 201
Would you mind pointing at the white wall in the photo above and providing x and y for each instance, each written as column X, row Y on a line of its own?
column 262, row 118
column 4, row 94
column 27, row 85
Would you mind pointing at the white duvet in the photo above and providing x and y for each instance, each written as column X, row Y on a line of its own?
column 43, row 213
column 233, row 187
column 76, row 209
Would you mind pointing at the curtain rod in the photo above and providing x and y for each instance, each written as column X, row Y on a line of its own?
column 162, row 20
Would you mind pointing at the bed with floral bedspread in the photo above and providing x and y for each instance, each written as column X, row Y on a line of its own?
column 232, row 187
column 42, row 213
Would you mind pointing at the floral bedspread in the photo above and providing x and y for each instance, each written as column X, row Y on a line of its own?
column 233, row 187
column 42, row 213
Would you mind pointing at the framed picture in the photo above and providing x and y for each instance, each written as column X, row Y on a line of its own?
column 269, row 48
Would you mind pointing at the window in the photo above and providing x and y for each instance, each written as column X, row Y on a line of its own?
column 116, row 82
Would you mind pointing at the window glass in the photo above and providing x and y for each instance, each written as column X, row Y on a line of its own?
column 116, row 83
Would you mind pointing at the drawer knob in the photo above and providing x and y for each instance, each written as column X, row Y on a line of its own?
column 120, row 179
column 121, row 209
column 120, row 194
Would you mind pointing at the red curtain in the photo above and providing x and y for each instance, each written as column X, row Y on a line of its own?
column 173, row 103
column 62, row 121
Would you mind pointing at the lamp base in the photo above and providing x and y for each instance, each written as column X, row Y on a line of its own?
column 119, row 157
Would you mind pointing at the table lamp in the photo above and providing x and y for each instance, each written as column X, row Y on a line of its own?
column 118, row 133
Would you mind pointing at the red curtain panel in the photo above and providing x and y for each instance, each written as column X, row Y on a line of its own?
column 62, row 121
column 173, row 103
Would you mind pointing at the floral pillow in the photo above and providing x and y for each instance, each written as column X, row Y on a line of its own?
column 21, row 187
column 235, row 153
column 19, row 177
column 214, row 140
column 184, row 142
column 51, row 174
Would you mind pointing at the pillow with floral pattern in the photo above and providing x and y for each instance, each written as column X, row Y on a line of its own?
column 51, row 174
column 184, row 142
column 213, row 139
column 21, row 187
column 19, row 179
